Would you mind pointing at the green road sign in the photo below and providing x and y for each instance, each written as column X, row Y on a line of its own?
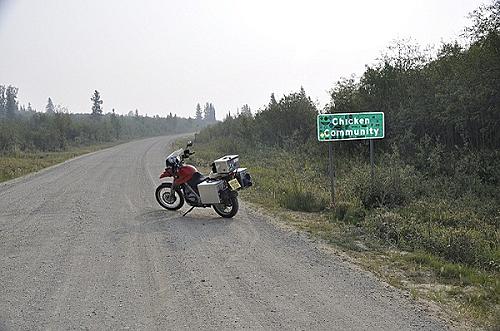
column 351, row 126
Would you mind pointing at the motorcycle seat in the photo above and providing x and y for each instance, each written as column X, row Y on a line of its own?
column 196, row 179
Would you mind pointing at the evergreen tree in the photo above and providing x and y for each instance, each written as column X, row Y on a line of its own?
column 49, row 109
column 212, row 113
column 11, row 106
column 206, row 112
column 246, row 111
column 199, row 115
column 96, row 104
column 209, row 113
column 62, row 124
column 302, row 91
column 3, row 100
column 272, row 102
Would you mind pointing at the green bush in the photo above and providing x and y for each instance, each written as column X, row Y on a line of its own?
column 349, row 213
column 296, row 197
column 394, row 183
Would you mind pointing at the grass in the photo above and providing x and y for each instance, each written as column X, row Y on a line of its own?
column 22, row 163
column 426, row 235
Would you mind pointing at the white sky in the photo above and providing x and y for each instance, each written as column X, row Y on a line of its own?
column 165, row 56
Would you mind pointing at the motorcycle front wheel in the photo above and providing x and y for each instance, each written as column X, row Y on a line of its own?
column 167, row 200
column 227, row 210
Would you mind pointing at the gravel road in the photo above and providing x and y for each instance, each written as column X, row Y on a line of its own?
column 84, row 245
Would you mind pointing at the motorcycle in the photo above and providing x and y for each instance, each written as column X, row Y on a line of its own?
column 218, row 190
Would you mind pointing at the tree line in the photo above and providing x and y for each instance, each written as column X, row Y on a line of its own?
column 207, row 116
column 451, row 98
column 24, row 129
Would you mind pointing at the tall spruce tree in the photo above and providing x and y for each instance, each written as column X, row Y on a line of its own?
column 272, row 103
column 199, row 115
column 206, row 111
column 50, row 109
column 210, row 115
column 96, row 104
column 10, row 102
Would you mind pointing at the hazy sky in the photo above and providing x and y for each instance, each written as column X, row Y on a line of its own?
column 165, row 56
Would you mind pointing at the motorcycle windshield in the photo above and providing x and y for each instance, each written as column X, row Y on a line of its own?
column 177, row 153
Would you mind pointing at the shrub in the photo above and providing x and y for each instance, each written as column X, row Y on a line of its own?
column 295, row 197
column 394, row 184
column 349, row 213
column 387, row 226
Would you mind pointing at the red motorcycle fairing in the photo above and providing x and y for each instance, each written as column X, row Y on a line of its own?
column 184, row 174
column 166, row 173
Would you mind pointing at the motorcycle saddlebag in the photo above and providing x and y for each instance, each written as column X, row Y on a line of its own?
column 244, row 177
column 209, row 191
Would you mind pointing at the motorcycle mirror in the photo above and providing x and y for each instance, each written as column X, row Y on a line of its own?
column 190, row 143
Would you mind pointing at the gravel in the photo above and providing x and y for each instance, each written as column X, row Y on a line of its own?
column 84, row 245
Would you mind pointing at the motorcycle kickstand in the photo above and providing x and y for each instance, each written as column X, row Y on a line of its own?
column 192, row 207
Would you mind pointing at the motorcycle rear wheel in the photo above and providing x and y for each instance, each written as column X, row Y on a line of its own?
column 225, row 210
column 167, row 201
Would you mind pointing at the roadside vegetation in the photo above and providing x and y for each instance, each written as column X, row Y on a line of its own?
column 32, row 140
column 429, row 221
column 19, row 164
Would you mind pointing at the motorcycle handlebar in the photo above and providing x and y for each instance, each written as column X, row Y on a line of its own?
column 186, row 154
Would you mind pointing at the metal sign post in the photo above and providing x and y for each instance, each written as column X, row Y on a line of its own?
column 372, row 161
column 349, row 126
column 331, row 171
